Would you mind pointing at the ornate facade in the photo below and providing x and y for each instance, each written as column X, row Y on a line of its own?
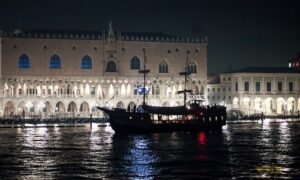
column 69, row 73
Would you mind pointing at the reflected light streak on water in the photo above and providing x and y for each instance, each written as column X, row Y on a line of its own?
column 140, row 159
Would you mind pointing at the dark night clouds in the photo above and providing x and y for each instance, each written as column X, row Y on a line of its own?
column 241, row 33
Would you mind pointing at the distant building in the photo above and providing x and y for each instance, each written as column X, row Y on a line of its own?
column 217, row 92
column 295, row 62
column 68, row 73
column 258, row 89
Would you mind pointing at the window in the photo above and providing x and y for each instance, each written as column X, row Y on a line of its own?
column 279, row 86
column 135, row 63
column 257, row 86
column 192, row 68
column 269, row 87
column 111, row 66
column 24, row 61
column 236, row 86
column 246, row 86
column 291, row 86
column 163, row 67
column 208, row 89
column 86, row 62
column 55, row 62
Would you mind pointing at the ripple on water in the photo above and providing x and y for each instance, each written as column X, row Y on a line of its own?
column 251, row 150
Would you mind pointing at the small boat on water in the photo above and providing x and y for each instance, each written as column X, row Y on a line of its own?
column 146, row 118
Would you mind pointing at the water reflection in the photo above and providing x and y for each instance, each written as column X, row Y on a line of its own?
column 250, row 150
column 140, row 159
column 133, row 157
column 202, row 146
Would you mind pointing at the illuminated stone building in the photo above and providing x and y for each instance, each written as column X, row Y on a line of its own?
column 257, row 89
column 68, row 73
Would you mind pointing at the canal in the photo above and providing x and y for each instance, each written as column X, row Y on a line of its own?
column 241, row 150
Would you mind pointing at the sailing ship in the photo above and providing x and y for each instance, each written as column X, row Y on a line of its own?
column 147, row 118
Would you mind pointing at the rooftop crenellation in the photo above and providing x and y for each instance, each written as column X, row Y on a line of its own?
column 97, row 35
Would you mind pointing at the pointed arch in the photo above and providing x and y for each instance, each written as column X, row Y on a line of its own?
column 21, row 108
column 123, row 90
column 47, row 107
column 72, row 107
column 34, row 108
column 86, row 62
column 163, row 67
column 128, row 90
column 166, row 104
column 192, row 67
column 111, row 66
column 84, row 107
column 59, row 107
column 135, row 63
column 131, row 106
column 120, row 105
column 157, row 91
column 197, row 91
column 9, row 108
column 55, row 62
column 153, row 89
column 202, row 90
column 69, row 89
column 24, row 61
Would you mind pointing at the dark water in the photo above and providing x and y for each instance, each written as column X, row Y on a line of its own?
column 250, row 150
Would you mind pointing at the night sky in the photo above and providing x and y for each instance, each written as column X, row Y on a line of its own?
column 241, row 33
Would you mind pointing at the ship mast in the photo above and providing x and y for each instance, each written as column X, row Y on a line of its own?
column 144, row 71
column 185, row 74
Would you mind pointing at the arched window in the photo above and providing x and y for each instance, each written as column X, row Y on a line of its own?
column 86, row 62
column 55, row 62
column 192, row 67
column 111, row 66
column 24, row 61
column 163, row 67
column 135, row 63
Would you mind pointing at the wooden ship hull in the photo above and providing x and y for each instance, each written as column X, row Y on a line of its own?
column 141, row 122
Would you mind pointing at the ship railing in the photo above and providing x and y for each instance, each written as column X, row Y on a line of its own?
column 170, row 121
